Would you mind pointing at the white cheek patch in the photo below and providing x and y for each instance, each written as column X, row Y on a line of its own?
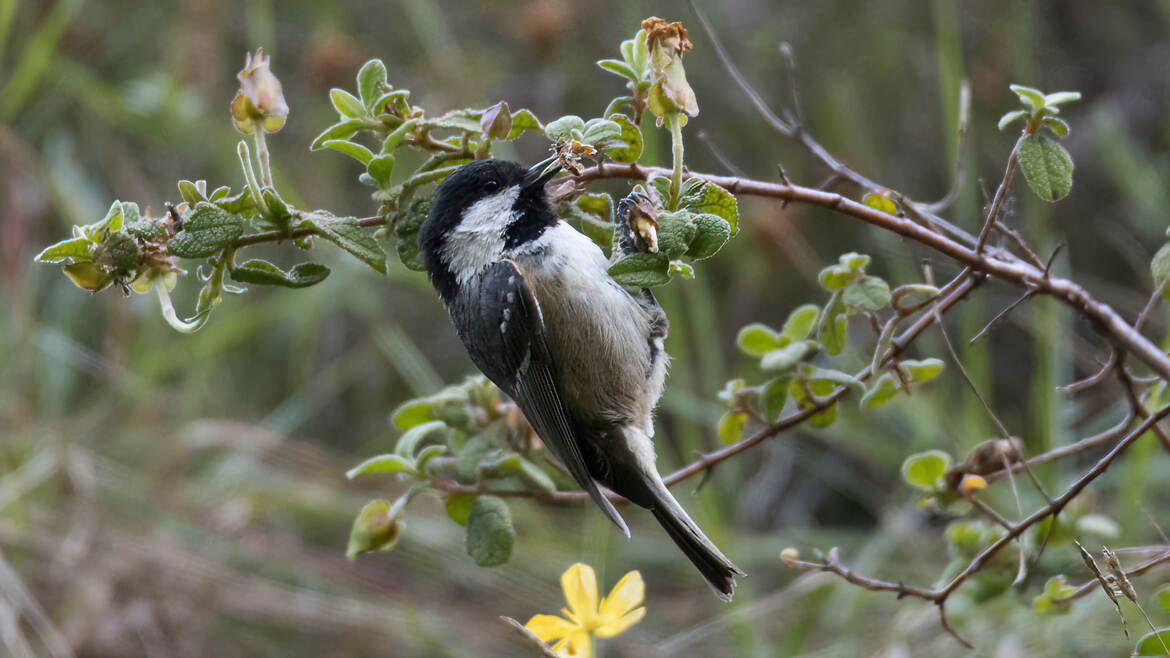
column 478, row 240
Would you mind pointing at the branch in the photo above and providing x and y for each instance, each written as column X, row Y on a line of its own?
column 997, row 263
column 279, row 236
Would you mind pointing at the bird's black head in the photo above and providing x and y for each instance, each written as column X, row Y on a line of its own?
column 481, row 210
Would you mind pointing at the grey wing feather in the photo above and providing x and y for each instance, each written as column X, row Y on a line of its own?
column 504, row 332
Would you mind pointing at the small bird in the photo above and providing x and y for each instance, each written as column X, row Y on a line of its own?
column 533, row 303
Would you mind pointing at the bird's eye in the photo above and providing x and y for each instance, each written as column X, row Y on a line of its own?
column 491, row 186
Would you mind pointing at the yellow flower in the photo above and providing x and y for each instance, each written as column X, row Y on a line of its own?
column 585, row 617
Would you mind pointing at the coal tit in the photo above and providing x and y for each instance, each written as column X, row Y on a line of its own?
column 533, row 302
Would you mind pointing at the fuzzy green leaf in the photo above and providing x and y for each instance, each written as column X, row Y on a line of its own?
column 561, row 130
column 707, row 197
column 352, row 149
column 923, row 370
column 757, row 339
column 489, row 531
column 1159, row 267
column 459, row 507
column 410, row 440
column 345, row 232
column 383, row 464
column 730, row 426
column 261, row 272
column 208, row 229
column 773, row 395
column 341, row 130
column 1047, row 167
column 347, row 105
column 376, row 528
column 72, row 250
column 370, row 79
column 870, row 293
column 641, row 270
column 881, row 391
column 523, row 120
column 627, row 147
column 618, row 67
column 800, row 322
column 1029, row 96
column 925, row 470
column 784, row 358
column 1009, row 117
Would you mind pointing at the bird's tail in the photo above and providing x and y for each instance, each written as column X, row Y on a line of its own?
column 715, row 567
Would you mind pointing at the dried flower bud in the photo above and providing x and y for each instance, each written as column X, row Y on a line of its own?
column 1121, row 580
column 670, row 92
column 260, row 99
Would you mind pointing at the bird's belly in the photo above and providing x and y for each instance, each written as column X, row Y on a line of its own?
column 599, row 339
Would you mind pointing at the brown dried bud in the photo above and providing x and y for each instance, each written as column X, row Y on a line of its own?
column 260, row 98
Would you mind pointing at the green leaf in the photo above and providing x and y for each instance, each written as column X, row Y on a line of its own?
column 190, row 192
column 1060, row 97
column 400, row 98
column 459, row 507
column 925, row 470
column 883, row 343
column 346, row 104
column 597, row 131
column 786, row 357
column 1055, row 588
column 380, row 167
column 801, row 321
column 923, row 370
column 376, row 528
column 835, row 277
column 513, row 465
column 707, row 197
column 730, row 426
column 561, row 130
column 523, row 120
column 261, row 272
column 1153, row 643
column 409, row 441
column 466, row 120
column 831, row 326
column 618, row 67
column 853, row 261
column 881, row 391
column 384, row 464
column 1159, row 267
column 370, row 79
column 208, row 229
column 489, row 531
column 880, row 202
column 88, row 276
column 72, row 250
column 641, row 270
column 818, row 375
column 1163, row 597
column 757, row 339
column 773, row 395
column 1047, row 167
column 870, row 293
column 345, row 232
column 342, row 130
column 1029, row 96
column 676, row 232
column 627, row 147
column 421, row 410
column 1056, row 125
column 1009, row 117
column 711, row 233
column 240, row 204
column 731, row 392
column 394, row 139
column 352, row 149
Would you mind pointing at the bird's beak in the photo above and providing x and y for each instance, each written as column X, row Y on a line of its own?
column 541, row 173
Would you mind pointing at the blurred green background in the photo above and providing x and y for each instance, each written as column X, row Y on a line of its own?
column 171, row 495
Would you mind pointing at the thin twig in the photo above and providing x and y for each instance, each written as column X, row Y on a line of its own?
column 952, row 194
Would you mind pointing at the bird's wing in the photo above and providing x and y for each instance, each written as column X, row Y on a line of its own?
column 504, row 333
